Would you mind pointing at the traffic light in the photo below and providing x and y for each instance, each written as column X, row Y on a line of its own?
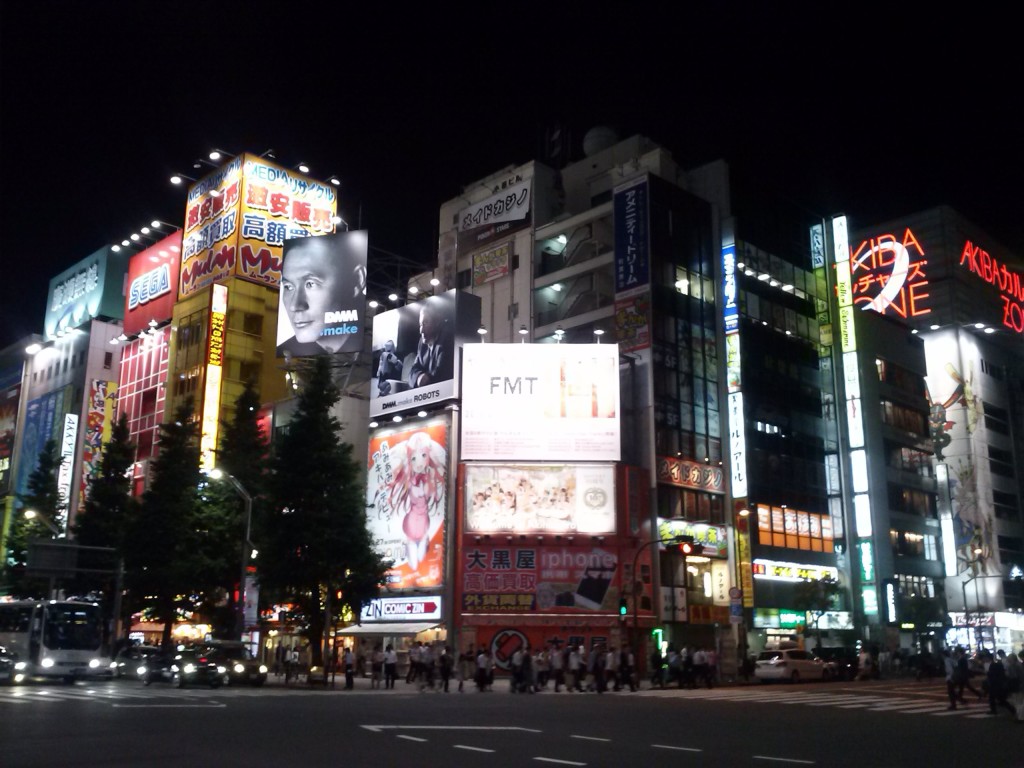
column 686, row 546
column 623, row 607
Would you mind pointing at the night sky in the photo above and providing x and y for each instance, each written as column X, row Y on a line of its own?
column 408, row 103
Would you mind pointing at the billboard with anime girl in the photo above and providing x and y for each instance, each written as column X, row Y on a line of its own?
column 406, row 499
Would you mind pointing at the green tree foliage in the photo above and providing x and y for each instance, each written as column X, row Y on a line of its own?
column 816, row 597
column 314, row 539
column 109, row 506
column 43, row 498
column 108, row 512
column 243, row 445
column 243, row 455
column 179, row 545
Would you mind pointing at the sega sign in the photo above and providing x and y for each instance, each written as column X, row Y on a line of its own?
column 149, row 286
column 152, row 276
column 426, row 608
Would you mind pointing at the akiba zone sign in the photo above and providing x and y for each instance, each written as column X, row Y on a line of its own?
column 1008, row 282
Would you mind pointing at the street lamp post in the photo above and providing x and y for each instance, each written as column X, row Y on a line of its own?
column 637, row 587
column 976, row 601
column 217, row 474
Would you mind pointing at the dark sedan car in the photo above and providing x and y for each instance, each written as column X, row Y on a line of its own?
column 130, row 661
column 842, row 660
column 6, row 666
column 242, row 668
column 186, row 666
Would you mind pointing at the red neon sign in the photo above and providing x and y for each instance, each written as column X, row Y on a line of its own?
column 1009, row 283
column 888, row 274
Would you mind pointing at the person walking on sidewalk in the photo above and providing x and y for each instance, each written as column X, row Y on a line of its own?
column 949, row 664
column 390, row 667
column 348, row 661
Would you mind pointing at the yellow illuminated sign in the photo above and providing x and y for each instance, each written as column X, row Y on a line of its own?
column 214, row 375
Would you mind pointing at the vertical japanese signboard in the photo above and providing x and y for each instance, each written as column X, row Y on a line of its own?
column 214, row 376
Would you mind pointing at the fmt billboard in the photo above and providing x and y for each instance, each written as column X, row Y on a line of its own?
column 238, row 217
column 540, row 402
column 152, row 280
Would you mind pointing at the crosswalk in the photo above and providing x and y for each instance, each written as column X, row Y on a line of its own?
column 120, row 695
column 915, row 705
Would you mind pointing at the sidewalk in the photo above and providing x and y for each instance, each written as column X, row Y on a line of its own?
column 501, row 685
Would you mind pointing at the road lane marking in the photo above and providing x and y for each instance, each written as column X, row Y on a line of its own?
column 379, row 728
column 587, row 738
column 410, row 738
column 198, row 705
column 677, row 749
column 560, row 762
column 472, row 749
column 784, row 760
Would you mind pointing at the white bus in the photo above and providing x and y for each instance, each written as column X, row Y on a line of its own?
column 53, row 639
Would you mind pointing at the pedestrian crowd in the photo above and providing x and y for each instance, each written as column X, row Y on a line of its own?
column 686, row 667
column 1002, row 683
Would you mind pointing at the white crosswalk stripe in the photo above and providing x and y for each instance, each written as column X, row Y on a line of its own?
column 112, row 694
column 837, row 700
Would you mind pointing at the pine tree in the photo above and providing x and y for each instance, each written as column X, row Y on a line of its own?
column 315, row 541
column 104, row 519
column 109, row 506
column 243, row 455
column 165, row 557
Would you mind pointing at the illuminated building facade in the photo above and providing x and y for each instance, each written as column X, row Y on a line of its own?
column 946, row 440
column 69, row 384
column 612, row 250
column 224, row 323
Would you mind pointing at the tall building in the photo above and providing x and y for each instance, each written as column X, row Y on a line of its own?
column 70, row 381
column 945, row 440
column 224, row 322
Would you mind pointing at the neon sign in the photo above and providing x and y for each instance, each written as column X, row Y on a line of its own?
column 888, row 274
column 1009, row 283
column 214, row 375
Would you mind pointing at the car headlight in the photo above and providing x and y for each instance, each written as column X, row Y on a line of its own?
column 189, row 669
column 20, row 665
column 141, row 671
column 47, row 663
column 94, row 663
column 221, row 670
column 113, row 665
column 263, row 669
column 174, row 667
column 19, row 678
column 239, row 669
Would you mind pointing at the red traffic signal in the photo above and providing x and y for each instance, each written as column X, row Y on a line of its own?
column 686, row 545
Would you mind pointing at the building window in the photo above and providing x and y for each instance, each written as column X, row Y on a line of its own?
column 793, row 528
column 1001, row 462
column 1005, row 505
column 909, row 544
column 916, row 586
column 252, row 324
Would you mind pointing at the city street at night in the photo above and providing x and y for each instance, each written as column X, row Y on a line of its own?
column 887, row 723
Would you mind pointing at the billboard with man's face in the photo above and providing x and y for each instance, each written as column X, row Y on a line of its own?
column 415, row 351
column 323, row 295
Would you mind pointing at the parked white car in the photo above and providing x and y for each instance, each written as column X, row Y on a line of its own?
column 793, row 665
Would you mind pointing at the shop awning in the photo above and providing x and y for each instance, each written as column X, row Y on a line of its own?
column 388, row 629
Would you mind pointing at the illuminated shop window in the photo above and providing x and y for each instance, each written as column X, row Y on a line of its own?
column 795, row 529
